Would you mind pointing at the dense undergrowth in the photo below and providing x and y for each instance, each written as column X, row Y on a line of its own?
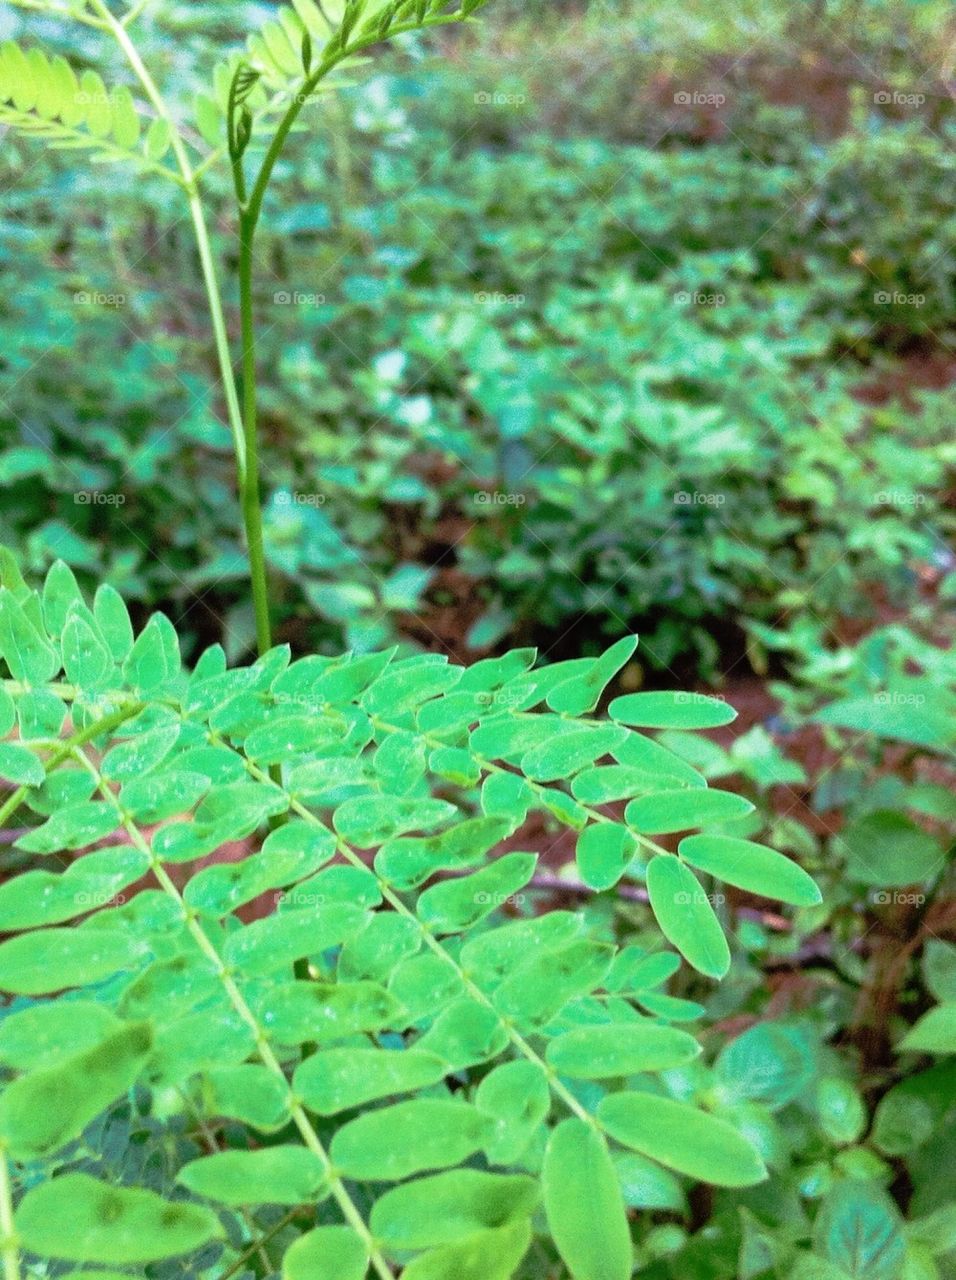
column 497, row 353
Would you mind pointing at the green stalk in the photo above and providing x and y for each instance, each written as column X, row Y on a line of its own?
column 250, row 495
column 198, row 217
column 242, row 421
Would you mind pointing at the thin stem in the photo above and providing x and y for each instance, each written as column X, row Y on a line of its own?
column 197, row 214
column 13, row 801
column 309, row 84
column 250, row 497
column 9, row 1248
column 239, row 1003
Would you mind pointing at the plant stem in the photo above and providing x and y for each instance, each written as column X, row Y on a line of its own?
column 198, row 216
column 16, row 798
column 250, row 497
column 9, row 1249
column 242, row 421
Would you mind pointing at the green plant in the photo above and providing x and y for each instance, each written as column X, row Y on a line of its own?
column 374, row 776
column 403, row 400
column 386, row 969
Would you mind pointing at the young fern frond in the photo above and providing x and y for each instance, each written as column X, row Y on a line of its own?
column 44, row 97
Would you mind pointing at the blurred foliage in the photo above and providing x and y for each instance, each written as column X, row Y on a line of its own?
column 592, row 355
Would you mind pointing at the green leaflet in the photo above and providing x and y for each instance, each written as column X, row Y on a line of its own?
column 487, row 1255
column 584, row 1205
column 287, row 854
column 570, row 752
column 841, row 1110
column 685, row 915
column 161, row 795
column 446, row 1207
column 298, row 1011
column 682, row 1137
column 45, row 897
column 603, row 853
column 42, row 1111
column 541, row 986
column 680, row 810
column 615, row 782
column 246, row 1092
column 935, row 1032
column 509, row 737
column 87, row 661
column 366, row 821
column 273, row 1175
column 19, row 764
column 766, row 1063
column 277, row 940
column 327, row 1253
column 885, row 848
column 671, row 710
column 153, row 662
column 338, row 1079
column 408, row 683
column 43, row 1034
column 596, row 1053
column 131, row 759
column 280, row 740
column 72, row 828
column 352, row 885
column 516, row 1097
column 634, row 970
column 112, row 618
column 8, row 712
column 409, row 1137
column 79, row 1219
column 60, row 591
column 453, row 906
column 27, row 652
column 407, row 861
column 751, row 866
column 644, row 754
column 581, row 693
column 465, row 1034
column 903, row 719
column 376, row 945
column 50, row 959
